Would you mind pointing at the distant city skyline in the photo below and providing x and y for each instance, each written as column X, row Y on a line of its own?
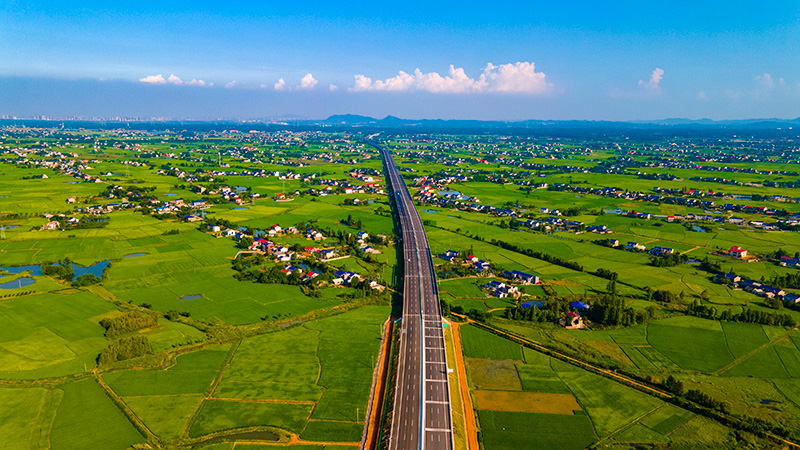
column 449, row 60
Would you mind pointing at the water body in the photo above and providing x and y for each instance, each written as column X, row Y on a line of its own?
column 432, row 211
column 613, row 211
column 36, row 269
column 134, row 255
column 170, row 194
column 237, row 209
column 191, row 297
column 698, row 229
column 18, row 283
column 11, row 227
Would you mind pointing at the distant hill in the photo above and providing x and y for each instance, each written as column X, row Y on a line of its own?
column 396, row 122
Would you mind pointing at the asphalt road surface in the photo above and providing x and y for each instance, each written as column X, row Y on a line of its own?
column 422, row 418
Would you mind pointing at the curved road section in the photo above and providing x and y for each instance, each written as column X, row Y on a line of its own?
column 422, row 417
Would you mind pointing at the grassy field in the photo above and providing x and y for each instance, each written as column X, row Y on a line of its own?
column 51, row 335
column 601, row 409
column 86, row 418
column 279, row 378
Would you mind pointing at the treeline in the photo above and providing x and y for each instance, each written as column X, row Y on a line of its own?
column 539, row 255
column 126, row 348
column 746, row 316
column 86, row 279
column 610, row 310
column 61, row 270
column 671, row 260
column 128, row 322
column 790, row 280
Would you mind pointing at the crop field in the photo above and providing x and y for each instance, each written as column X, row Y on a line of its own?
column 51, row 335
column 279, row 378
column 563, row 400
column 480, row 344
column 87, row 418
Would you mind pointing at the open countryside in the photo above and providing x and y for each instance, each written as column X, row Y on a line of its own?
column 212, row 290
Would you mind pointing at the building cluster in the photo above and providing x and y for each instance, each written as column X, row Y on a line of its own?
column 754, row 287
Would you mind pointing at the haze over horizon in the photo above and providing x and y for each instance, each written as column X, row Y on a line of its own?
column 512, row 61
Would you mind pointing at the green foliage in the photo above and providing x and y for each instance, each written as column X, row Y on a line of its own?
column 126, row 348
column 86, row 279
column 128, row 322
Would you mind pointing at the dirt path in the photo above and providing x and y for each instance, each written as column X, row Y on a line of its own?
column 691, row 250
column 742, row 359
column 468, row 410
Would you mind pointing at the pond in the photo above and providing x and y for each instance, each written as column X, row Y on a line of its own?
column 237, row 209
column 699, row 229
column 191, row 297
column 170, row 194
column 18, row 283
column 431, row 211
column 134, row 255
column 36, row 269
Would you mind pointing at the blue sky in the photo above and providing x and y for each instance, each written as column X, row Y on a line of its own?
column 619, row 60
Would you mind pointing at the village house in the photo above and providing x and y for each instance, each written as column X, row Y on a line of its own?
column 737, row 252
column 571, row 321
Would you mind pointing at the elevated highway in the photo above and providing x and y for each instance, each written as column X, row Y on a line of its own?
column 422, row 417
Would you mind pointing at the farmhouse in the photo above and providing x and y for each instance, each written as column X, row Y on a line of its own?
column 52, row 225
column 635, row 246
column 788, row 261
column 572, row 321
column 524, row 278
column 737, row 252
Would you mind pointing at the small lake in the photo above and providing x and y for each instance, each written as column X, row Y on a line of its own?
column 18, row 283
column 36, row 269
column 237, row 209
column 698, row 229
column 170, row 194
column 135, row 255
column 431, row 211
column 191, row 297
column 11, row 227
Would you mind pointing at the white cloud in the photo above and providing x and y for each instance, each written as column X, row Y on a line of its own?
column 174, row 80
column 333, row 88
column 655, row 78
column 196, row 82
column 766, row 81
column 307, row 83
column 231, row 85
column 154, row 79
column 520, row 77
column 701, row 95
